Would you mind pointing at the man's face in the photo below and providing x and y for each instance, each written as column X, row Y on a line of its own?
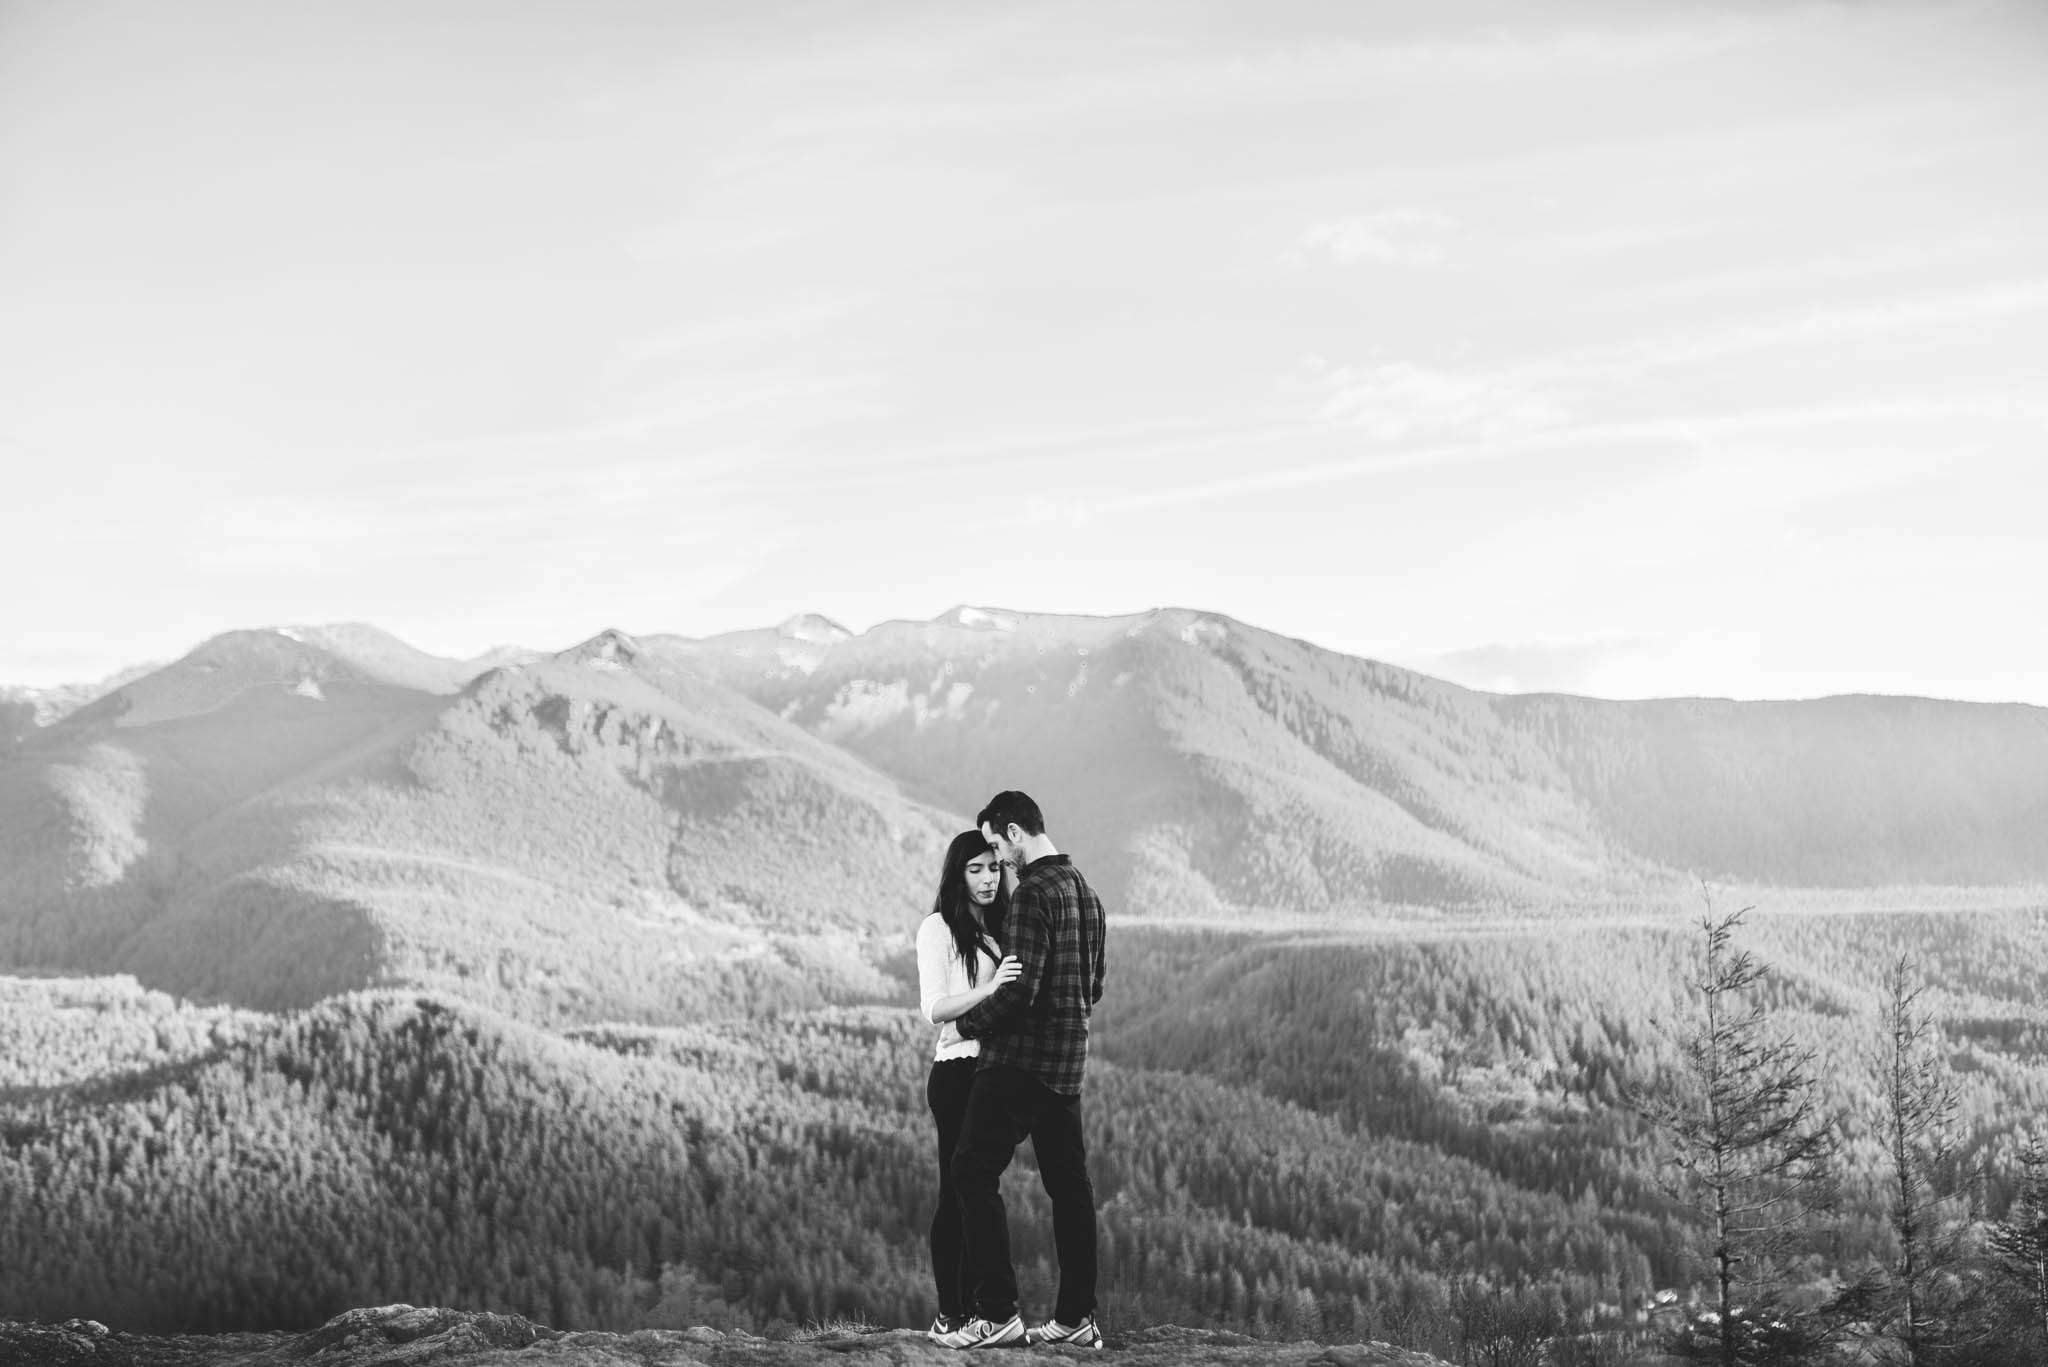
column 1004, row 846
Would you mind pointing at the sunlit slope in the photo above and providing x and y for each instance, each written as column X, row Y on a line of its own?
column 597, row 835
column 1205, row 766
column 100, row 812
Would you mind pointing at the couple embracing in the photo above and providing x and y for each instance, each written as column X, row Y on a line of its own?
column 1009, row 967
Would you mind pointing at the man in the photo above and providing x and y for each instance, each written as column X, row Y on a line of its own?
column 1034, row 1051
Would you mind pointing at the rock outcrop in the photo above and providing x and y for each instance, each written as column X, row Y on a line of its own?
column 409, row 1336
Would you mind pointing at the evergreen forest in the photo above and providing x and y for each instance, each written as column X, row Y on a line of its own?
column 1434, row 1139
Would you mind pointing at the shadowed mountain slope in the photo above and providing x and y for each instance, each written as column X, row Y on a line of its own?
column 599, row 834
column 1156, row 763
column 1846, row 791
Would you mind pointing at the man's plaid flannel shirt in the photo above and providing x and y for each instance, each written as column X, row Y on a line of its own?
column 1039, row 1022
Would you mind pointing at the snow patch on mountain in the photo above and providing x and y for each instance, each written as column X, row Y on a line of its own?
column 866, row 705
column 611, row 651
column 863, row 705
column 814, row 628
column 979, row 619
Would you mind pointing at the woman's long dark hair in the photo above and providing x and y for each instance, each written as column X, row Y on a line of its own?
column 956, row 909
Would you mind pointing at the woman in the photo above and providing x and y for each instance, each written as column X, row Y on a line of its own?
column 957, row 969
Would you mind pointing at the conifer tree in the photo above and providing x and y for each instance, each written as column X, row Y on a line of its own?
column 2019, row 1243
column 1747, row 1147
column 1919, row 1099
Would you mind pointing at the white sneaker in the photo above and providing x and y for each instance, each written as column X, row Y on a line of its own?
column 981, row 1333
column 944, row 1324
column 1083, row 1335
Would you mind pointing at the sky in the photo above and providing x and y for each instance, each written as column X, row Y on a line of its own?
column 1629, row 348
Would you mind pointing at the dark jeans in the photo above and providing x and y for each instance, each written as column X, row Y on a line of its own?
column 945, row 1091
column 1005, row 1107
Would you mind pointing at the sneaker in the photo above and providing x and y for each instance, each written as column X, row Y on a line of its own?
column 1083, row 1335
column 944, row 1324
column 981, row 1333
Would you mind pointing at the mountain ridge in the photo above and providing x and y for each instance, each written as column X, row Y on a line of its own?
column 640, row 820
column 364, row 640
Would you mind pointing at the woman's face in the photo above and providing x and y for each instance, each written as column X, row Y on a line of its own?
column 983, row 873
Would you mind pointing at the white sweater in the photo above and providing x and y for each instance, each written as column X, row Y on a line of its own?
column 941, row 974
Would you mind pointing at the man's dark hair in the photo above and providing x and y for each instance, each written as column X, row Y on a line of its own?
column 1011, row 808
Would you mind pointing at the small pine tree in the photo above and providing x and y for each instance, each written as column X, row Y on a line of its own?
column 2019, row 1243
column 1919, row 1098
column 1748, row 1149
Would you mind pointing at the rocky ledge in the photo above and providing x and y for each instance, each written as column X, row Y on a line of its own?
column 407, row 1336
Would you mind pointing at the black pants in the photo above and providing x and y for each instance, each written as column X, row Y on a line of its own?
column 946, row 1093
column 1005, row 1107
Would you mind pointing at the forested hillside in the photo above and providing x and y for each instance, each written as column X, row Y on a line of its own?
column 1517, row 1051
column 1315, row 1136
column 380, row 1148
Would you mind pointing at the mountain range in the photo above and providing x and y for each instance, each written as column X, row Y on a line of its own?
column 575, row 984
column 661, row 828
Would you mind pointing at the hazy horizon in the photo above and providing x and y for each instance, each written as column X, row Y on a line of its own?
column 1628, row 350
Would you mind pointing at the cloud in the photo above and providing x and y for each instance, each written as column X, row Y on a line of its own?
column 1398, row 400
column 1394, row 237
column 560, row 509
column 1772, row 480
column 983, row 72
column 2005, row 299
column 1375, row 464
column 1344, row 64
